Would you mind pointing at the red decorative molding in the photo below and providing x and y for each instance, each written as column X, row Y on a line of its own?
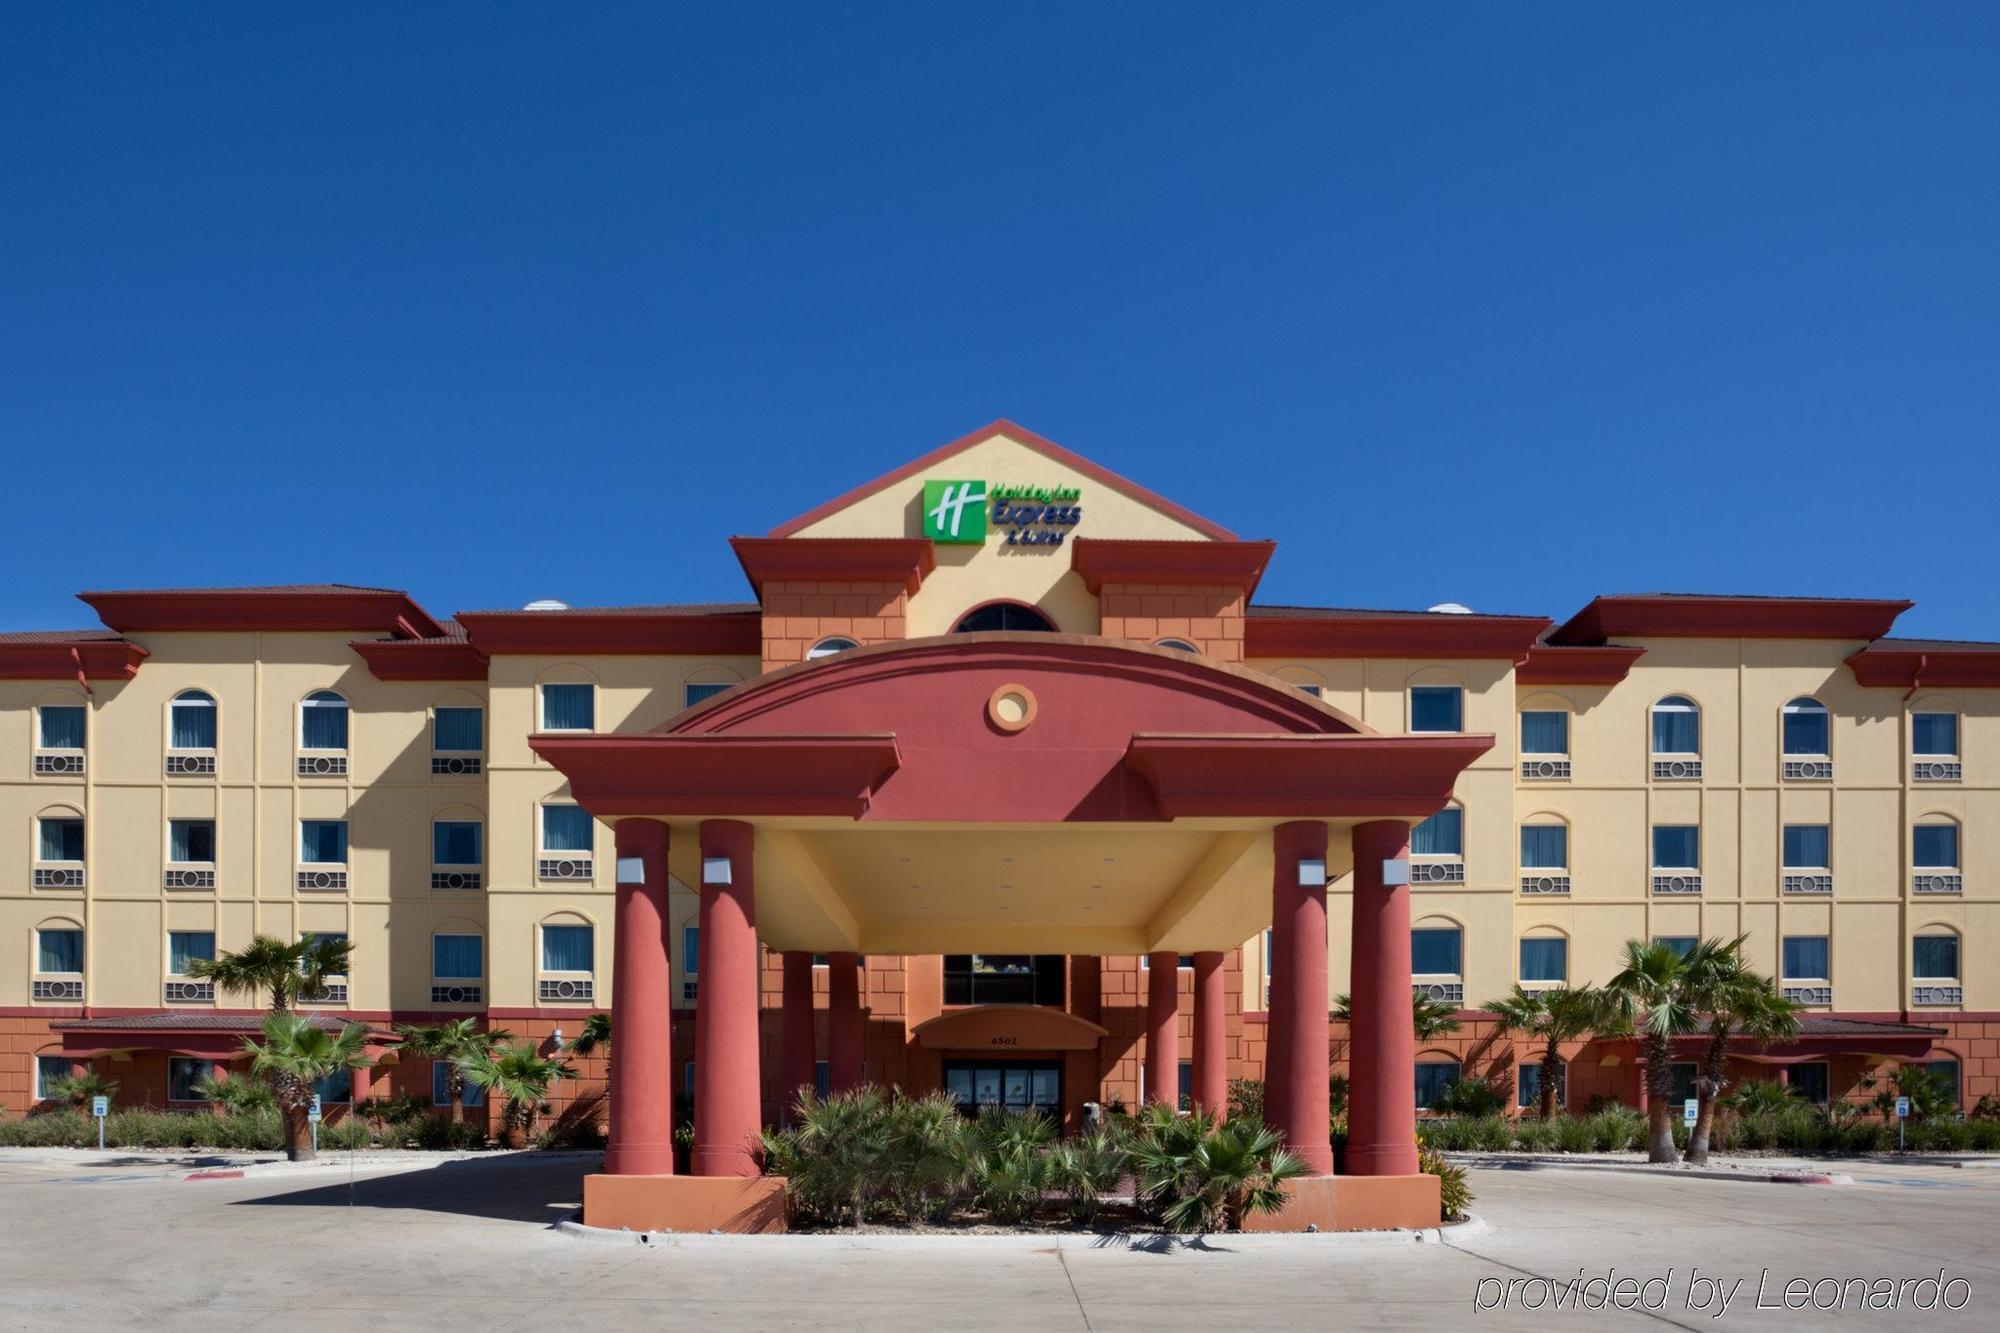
column 313, row 607
column 898, row 560
column 1690, row 616
column 1271, row 632
column 1912, row 665
column 719, row 631
column 88, row 659
column 1232, row 564
column 1302, row 776
column 421, row 659
column 1047, row 448
column 1547, row 665
column 722, row 775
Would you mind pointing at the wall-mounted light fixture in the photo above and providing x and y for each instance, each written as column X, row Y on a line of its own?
column 1395, row 872
column 631, row 870
column 1312, row 872
column 716, row 870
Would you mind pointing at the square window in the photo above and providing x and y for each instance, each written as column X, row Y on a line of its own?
column 693, row 693
column 455, row 842
column 184, row 1076
column 569, row 707
column 1676, row 847
column 1531, row 1084
column 1947, row 1073
column 1436, row 952
column 568, row 948
column 335, row 1089
column 1806, row 729
column 1806, row 958
column 1810, row 1081
column 1437, row 708
column 191, row 841
column 458, row 957
column 471, row 1095
column 1935, row 958
column 49, row 1071
column 1545, row 732
column 458, row 730
column 323, row 842
column 1934, row 846
column 1433, row 1076
column 61, row 727
column 187, row 946
column 1808, row 846
column 61, row 840
column 1934, row 734
column 1443, row 834
column 568, row 828
column 1544, row 847
column 59, row 951
column 1545, row 959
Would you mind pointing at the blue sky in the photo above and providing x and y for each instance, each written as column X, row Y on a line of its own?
column 1501, row 304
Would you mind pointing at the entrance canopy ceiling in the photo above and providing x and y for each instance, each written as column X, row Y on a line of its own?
column 1011, row 792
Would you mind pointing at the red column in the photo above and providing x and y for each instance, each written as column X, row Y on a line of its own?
column 1784, row 1076
column 1086, row 986
column 641, row 1082
column 1277, row 1005
column 359, row 1091
column 1641, row 1093
column 1382, row 1104
column 727, row 1116
column 1163, row 1028
column 795, row 1032
column 843, row 1021
column 1211, row 1039
column 1301, row 1029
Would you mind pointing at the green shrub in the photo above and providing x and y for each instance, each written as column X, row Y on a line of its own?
column 1085, row 1169
column 1201, row 1174
column 1936, row 1136
column 1453, row 1192
column 1761, row 1097
column 1575, row 1134
column 1984, row 1134
column 1246, row 1099
column 1757, row 1131
column 1494, row 1133
column 54, row 1129
column 1535, row 1135
column 1617, row 1129
column 1469, row 1097
column 1864, row 1136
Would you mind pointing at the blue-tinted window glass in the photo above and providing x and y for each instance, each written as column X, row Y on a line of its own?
column 457, row 957
column 458, row 730
column 185, row 946
column 1680, row 944
column 61, row 840
column 569, row 707
column 1436, row 952
column 336, row 1089
column 1946, row 1072
column 59, row 951
column 567, row 828
column 1676, row 726
column 691, row 950
column 455, row 842
column 323, row 722
column 323, row 841
column 1186, row 1100
column 1531, row 1084
column 1934, row 733
column 694, row 694
column 1544, row 846
column 1443, row 834
column 1432, row 1078
column 1545, row 959
column 191, row 841
column 1806, row 958
column 184, row 1077
column 62, row 727
column 48, row 1070
column 191, row 724
column 1806, row 727
column 1808, row 846
column 1545, row 733
column 1809, row 1081
column 567, row 948
column 1676, row 846
column 471, row 1095
column 1935, row 845
column 1935, row 957
column 1436, row 708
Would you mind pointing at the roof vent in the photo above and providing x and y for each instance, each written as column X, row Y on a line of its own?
column 1452, row 609
column 546, row 604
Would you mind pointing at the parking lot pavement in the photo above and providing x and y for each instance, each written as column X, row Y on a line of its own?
column 109, row 1242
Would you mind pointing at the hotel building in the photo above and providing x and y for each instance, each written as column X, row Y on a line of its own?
column 1002, row 783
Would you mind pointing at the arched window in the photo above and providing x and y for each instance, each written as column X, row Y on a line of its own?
column 1935, row 955
column 60, row 726
column 1434, row 1075
column 323, row 721
column 828, row 647
column 1807, row 728
column 1178, row 645
column 458, row 956
column 1934, row 844
column 1545, row 959
column 1003, row 615
column 1530, row 1082
column 1443, row 834
column 59, row 948
column 1676, row 726
column 191, row 719
column 1544, row 846
column 1934, row 734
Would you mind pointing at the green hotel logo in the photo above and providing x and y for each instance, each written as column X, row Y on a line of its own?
column 955, row 511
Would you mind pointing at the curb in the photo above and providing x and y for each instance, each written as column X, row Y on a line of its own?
column 1510, row 1163
column 1040, row 1242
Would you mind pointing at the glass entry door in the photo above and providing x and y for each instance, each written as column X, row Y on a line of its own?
column 1008, row 1085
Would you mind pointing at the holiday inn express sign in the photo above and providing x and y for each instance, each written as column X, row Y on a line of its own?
column 960, row 512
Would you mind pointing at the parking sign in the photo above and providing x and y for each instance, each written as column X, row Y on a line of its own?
column 1902, row 1108
column 1691, row 1110
column 313, row 1114
column 100, row 1107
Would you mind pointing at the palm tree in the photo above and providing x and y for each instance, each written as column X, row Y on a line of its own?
column 1553, row 1017
column 522, row 1075
column 294, row 1056
column 285, row 972
column 1739, row 1003
column 1654, row 995
column 1214, row 1177
column 78, row 1089
column 1431, row 1018
column 595, row 1034
column 460, row 1044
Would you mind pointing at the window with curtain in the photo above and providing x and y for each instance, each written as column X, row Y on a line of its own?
column 59, row 949
column 569, row 707
column 1809, row 1081
column 473, row 1094
column 1808, row 846
column 567, row 828
column 1680, row 944
column 1676, row 846
column 694, row 692
column 61, row 839
column 1806, row 727
column 49, row 1070
column 60, row 726
column 567, row 948
column 1544, row 846
column 1934, row 846
column 458, row 730
column 191, row 721
column 691, row 951
column 1531, row 1084
column 323, row 841
column 1433, row 1076
column 1934, row 734
column 1676, row 726
column 323, row 722
column 1545, row 731
column 185, row 946
column 1437, row 708
column 1545, row 959
column 1443, row 834
column 455, row 842
column 191, row 841
column 1806, row 958
column 1946, row 1072
column 457, row 957
column 336, row 1089
column 184, row 1077
column 1437, row 951
column 1935, row 958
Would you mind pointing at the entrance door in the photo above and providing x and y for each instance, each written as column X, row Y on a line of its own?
column 1009, row 1085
